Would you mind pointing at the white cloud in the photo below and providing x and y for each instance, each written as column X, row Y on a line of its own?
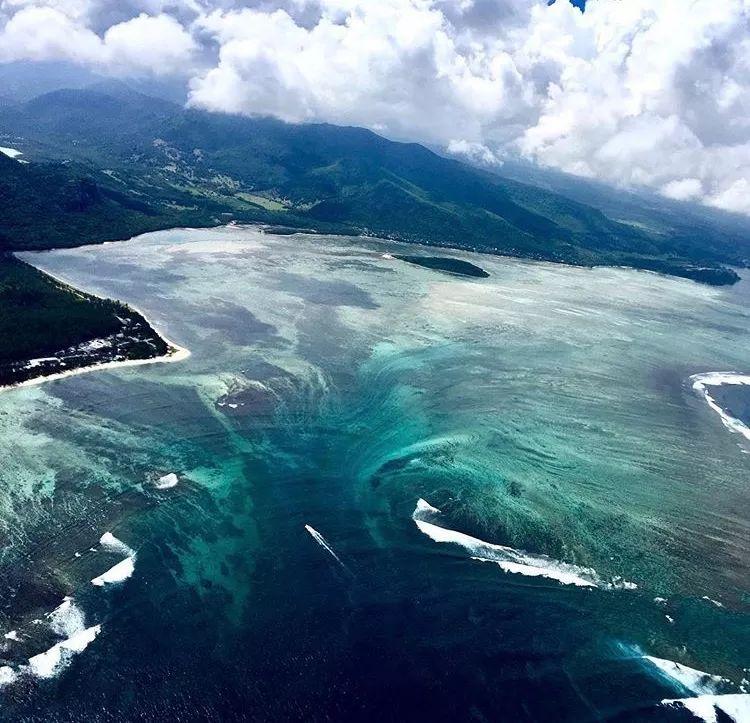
column 357, row 66
column 45, row 33
column 473, row 151
column 650, row 94
column 684, row 189
column 58, row 30
column 149, row 43
column 734, row 198
column 633, row 92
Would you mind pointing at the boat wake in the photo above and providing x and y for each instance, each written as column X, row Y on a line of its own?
column 509, row 559
column 324, row 544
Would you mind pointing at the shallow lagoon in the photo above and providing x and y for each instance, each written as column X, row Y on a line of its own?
column 544, row 409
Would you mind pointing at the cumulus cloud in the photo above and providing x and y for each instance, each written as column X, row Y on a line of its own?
column 683, row 189
column 475, row 152
column 153, row 44
column 635, row 93
column 157, row 43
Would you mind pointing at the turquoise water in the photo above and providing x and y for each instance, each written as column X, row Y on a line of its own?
column 544, row 409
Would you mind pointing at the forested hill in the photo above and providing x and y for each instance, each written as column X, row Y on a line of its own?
column 47, row 205
column 150, row 163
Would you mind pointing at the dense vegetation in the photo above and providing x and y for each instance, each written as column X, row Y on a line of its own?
column 41, row 317
column 44, row 318
column 49, row 205
column 447, row 264
column 169, row 165
column 109, row 163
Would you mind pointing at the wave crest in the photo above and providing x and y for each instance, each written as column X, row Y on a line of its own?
column 701, row 382
column 508, row 558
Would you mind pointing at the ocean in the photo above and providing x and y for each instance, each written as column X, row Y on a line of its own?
column 376, row 491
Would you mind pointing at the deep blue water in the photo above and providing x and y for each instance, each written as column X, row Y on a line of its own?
column 544, row 409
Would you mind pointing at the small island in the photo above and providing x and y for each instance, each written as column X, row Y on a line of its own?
column 447, row 264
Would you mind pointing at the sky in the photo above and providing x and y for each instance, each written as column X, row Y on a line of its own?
column 639, row 93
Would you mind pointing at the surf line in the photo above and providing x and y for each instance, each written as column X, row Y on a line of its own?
column 324, row 544
column 123, row 569
column 701, row 382
column 705, row 694
column 427, row 517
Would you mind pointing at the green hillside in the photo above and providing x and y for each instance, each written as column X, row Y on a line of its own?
column 187, row 166
column 108, row 163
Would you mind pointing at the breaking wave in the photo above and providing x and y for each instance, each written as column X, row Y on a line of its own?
column 166, row 481
column 7, row 675
column 704, row 693
column 119, row 573
column 123, row 569
column 692, row 680
column 109, row 542
column 67, row 621
column 49, row 663
column 734, row 705
column 508, row 558
column 701, row 382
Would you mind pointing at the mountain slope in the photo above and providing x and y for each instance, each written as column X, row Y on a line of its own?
column 342, row 179
column 47, row 205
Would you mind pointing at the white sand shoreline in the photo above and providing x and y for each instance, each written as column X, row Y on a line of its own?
column 176, row 352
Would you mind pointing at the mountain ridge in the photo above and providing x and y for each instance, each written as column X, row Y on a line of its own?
column 192, row 166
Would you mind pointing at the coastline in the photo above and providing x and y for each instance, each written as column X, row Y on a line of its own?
column 364, row 233
column 175, row 352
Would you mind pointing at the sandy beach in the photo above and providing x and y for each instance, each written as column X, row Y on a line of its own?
column 175, row 353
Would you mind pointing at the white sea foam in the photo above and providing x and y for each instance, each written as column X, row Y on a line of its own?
column 694, row 681
column 119, row 573
column 123, row 569
column 324, row 544
column 52, row 661
column 701, row 382
column 424, row 506
column 7, row 675
column 113, row 544
column 10, row 152
column 12, row 635
column 706, row 707
column 67, row 619
column 708, row 690
column 508, row 558
column 167, row 481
